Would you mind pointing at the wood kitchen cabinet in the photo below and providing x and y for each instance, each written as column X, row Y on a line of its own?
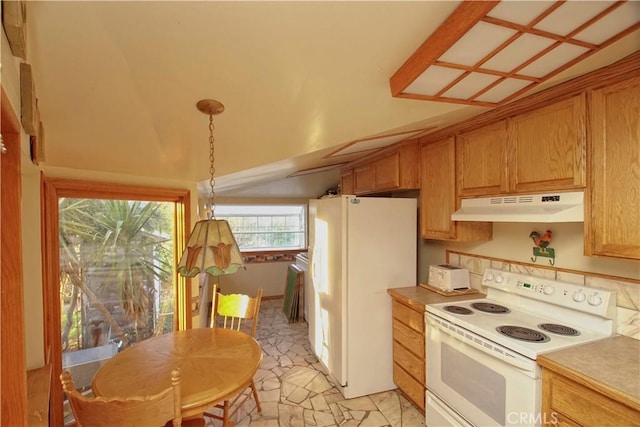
column 481, row 161
column 594, row 384
column 438, row 197
column 396, row 168
column 409, row 352
column 541, row 150
column 346, row 182
column 569, row 402
column 612, row 217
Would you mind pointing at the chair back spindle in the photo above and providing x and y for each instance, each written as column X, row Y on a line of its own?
column 236, row 311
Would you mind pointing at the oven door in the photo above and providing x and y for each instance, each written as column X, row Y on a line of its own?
column 478, row 380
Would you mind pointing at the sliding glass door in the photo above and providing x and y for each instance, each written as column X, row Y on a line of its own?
column 111, row 253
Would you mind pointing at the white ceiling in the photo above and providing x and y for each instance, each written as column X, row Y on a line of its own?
column 117, row 83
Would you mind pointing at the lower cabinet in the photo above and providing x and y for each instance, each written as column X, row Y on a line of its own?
column 409, row 352
column 566, row 402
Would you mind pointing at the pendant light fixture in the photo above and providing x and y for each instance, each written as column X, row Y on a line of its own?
column 211, row 247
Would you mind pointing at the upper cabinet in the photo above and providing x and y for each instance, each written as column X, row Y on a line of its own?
column 612, row 216
column 394, row 169
column 346, row 182
column 438, row 197
column 482, row 161
column 547, row 148
column 542, row 150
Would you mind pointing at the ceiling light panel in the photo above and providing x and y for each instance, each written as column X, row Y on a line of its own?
column 502, row 90
column 553, row 59
column 468, row 86
column 571, row 15
column 519, row 12
column 620, row 19
column 514, row 45
column 433, row 80
column 521, row 50
column 374, row 143
column 476, row 44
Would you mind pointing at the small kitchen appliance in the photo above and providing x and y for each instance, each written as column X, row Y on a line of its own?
column 481, row 353
column 447, row 277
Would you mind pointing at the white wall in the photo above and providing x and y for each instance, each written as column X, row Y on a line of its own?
column 270, row 276
column 511, row 241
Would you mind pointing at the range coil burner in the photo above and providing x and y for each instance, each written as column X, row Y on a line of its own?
column 522, row 333
column 554, row 328
column 456, row 309
column 490, row 308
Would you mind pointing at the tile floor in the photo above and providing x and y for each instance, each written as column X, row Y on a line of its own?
column 296, row 391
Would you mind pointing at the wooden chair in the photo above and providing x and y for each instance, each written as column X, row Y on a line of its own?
column 238, row 312
column 156, row 410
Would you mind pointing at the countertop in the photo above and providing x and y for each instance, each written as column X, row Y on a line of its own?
column 418, row 297
column 610, row 366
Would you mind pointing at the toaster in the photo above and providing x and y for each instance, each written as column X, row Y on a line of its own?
column 447, row 277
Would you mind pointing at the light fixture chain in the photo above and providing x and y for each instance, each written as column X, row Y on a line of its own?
column 212, row 169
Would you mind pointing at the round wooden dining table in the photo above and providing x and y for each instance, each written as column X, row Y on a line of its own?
column 215, row 364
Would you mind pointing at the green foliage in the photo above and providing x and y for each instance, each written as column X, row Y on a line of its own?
column 117, row 245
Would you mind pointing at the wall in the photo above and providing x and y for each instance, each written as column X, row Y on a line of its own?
column 31, row 238
column 511, row 241
column 32, row 271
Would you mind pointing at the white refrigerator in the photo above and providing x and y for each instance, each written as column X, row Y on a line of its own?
column 358, row 248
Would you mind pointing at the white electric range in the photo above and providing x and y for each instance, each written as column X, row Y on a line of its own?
column 481, row 354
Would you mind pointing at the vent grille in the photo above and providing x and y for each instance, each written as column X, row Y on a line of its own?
column 510, row 200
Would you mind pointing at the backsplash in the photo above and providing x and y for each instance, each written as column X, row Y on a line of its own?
column 627, row 290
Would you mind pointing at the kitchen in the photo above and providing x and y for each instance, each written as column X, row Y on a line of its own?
column 509, row 242
column 509, row 254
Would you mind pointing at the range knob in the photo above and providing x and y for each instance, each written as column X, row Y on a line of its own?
column 489, row 277
column 578, row 296
column 594, row 300
column 548, row 290
column 499, row 278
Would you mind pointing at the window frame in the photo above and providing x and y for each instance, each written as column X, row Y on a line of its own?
column 246, row 251
column 55, row 188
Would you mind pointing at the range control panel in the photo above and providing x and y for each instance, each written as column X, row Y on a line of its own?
column 582, row 298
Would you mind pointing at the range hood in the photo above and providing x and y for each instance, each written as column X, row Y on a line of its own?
column 552, row 207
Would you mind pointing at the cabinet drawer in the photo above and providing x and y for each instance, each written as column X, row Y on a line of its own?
column 411, row 363
column 585, row 406
column 409, row 338
column 410, row 387
column 413, row 319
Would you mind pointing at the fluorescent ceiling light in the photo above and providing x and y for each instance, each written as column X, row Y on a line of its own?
column 489, row 53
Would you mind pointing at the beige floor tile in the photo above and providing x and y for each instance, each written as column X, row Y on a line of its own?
column 297, row 391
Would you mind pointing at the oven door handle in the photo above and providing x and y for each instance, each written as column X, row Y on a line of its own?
column 527, row 367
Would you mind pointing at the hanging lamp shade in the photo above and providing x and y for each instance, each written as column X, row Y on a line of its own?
column 211, row 249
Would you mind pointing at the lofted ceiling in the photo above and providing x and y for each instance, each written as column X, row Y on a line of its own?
column 305, row 85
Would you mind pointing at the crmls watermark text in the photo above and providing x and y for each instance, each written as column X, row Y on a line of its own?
column 527, row 418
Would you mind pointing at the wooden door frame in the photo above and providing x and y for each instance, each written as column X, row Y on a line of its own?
column 13, row 375
column 52, row 190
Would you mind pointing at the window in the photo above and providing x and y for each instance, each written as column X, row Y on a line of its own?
column 266, row 227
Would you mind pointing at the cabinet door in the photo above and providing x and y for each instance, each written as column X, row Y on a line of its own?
column 437, row 191
column 612, row 220
column 438, row 197
column 363, row 179
column 481, row 161
column 547, row 148
column 346, row 182
column 387, row 172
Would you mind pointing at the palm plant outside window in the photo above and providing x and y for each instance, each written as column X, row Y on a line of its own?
column 116, row 265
